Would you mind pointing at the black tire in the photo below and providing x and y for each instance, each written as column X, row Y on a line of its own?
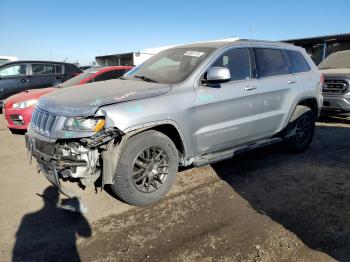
column 139, row 168
column 300, row 133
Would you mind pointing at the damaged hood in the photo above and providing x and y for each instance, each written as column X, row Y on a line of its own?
column 84, row 100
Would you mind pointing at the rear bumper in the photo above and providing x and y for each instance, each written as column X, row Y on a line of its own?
column 336, row 103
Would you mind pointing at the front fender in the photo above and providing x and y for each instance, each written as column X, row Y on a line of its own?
column 147, row 113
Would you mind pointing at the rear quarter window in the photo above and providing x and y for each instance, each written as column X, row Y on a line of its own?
column 296, row 62
column 270, row 62
column 73, row 69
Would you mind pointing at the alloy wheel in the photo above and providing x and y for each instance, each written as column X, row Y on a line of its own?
column 150, row 169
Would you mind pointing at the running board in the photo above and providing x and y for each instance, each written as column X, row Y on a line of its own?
column 222, row 155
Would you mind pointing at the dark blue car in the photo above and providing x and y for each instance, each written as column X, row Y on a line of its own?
column 23, row 75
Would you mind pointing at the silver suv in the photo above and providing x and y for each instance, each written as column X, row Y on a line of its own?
column 190, row 105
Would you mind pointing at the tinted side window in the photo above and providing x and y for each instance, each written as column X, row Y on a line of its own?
column 59, row 69
column 43, row 69
column 237, row 61
column 13, row 70
column 296, row 62
column 109, row 75
column 72, row 69
column 270, row 62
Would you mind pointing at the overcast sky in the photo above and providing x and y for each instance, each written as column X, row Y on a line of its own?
column 80, row 30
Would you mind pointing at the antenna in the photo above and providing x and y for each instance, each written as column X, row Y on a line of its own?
column 251, row 32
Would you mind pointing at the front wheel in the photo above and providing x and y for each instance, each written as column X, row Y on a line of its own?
column 301, row 133
column 147, row 168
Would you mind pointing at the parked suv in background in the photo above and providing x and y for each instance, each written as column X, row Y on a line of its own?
column 23, row 75
column 336, row 71
column 192, row 104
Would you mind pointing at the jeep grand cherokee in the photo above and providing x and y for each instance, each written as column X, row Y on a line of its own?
column 189, row 105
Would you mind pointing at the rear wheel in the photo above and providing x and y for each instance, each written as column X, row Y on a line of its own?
column 147, row 168
column 301, row 133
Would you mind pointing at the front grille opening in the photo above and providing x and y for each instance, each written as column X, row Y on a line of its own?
column 17, row 120
column 43, row 122
column 335, row 86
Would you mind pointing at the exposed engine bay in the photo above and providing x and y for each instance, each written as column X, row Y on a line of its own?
column 79, row 160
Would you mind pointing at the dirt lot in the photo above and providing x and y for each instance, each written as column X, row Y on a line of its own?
column 264, row 205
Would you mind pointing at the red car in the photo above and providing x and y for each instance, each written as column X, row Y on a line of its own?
column 18, row 108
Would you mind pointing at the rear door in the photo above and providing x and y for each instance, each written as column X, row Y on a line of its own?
column 226, row 115
column 43, row 75
column 13, row 79
column 278, row 88
column 298, row 65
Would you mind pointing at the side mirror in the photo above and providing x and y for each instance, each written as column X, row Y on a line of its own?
column 217, row 75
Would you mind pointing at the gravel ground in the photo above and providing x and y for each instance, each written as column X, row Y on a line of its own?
column 263, row 205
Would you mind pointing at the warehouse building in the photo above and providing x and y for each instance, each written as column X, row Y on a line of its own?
column 322, row 46
column 131, row 58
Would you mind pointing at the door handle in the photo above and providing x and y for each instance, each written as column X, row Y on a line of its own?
column 250, row 88
column 291, row 81
column 24, row 80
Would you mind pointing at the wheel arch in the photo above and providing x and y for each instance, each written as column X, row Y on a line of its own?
column 168, row 128
column 114, row 148
column 311, row 103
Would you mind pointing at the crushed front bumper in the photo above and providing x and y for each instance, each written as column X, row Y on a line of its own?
column 77, row 159
column 42, row 152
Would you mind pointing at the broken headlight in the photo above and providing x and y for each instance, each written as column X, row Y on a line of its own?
column 84, row 124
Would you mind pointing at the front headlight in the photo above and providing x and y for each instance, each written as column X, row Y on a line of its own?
column 84, row 124
column 25, row 104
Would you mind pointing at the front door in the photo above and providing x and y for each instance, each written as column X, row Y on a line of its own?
column 13, row 79
column 226, row 115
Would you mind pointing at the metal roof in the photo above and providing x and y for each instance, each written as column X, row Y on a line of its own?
column 318, row 39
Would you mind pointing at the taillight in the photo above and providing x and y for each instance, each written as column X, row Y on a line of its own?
column 321, row 79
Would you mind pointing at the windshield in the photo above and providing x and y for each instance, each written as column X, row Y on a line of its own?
column 76, row 80
column 170, row 66
column 336, row 60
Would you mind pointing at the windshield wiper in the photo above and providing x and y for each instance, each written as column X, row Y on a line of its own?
column 145, row 78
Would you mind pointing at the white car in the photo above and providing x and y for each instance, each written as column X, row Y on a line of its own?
column 6, row 59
